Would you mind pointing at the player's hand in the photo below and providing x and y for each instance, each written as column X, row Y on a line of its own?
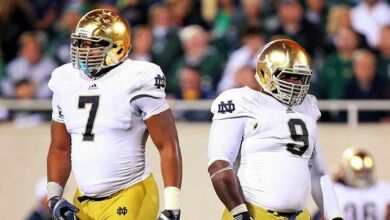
column 338, row 218
column 61, row 209
column 169, row 215
column 243, row 216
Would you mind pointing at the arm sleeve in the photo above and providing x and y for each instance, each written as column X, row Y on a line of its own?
column 152, row 83
column 57, row 114
column 322, row 187
column 149, row 106
column 56, row 87
column 149, row 99
column 225, row 139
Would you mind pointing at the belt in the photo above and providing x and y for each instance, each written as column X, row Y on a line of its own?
column 96, row 199
column 289, row 215
column 85, row 198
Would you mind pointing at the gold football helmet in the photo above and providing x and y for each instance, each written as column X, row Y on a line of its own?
column 283, row 70
column 101, row 40
column 357, row 168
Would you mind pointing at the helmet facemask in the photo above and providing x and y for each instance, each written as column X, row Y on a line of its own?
column 292, row 85
column 90, row 59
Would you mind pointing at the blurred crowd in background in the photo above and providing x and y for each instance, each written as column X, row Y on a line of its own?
column 207, row 46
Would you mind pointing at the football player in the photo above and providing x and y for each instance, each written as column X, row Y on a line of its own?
column 104, row 107
column 360, row 195
column 264, row 153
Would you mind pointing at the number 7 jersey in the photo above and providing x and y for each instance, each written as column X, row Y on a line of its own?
column 107, row 129
column 276, row 146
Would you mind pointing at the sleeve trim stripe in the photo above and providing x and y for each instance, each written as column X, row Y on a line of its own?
column 142, row 96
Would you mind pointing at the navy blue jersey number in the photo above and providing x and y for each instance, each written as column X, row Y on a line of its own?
column 367, row 213
column 301, row 140
column 94, row 100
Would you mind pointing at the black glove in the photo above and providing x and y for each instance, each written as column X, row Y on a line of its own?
column 61, row 209
column 243, row 216
column 338, row 218
column 169, row 215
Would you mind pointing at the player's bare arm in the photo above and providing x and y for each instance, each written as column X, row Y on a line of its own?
column 225, row 183
column 58, row 158
column 163, row 132
column 388, row 212
column 227, row 187
column 58, row 171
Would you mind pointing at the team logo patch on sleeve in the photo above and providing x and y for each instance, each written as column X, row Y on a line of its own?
column 60, row 115
column 160, row 81
column 226, row 107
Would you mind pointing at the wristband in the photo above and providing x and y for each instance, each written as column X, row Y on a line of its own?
column 239, row 209
column 54, row 189
column 172, row 198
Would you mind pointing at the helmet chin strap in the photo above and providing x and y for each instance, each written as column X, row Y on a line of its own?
column 113, row 58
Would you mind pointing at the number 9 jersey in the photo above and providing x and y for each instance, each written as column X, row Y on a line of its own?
column 106, row 122
column 276, row 142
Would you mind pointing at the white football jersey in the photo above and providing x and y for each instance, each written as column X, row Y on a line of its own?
column 277, row 144
column 364, row 203
column 108, row 133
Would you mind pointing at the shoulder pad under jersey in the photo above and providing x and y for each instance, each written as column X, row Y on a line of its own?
column 311, row 106
column 59, row 76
